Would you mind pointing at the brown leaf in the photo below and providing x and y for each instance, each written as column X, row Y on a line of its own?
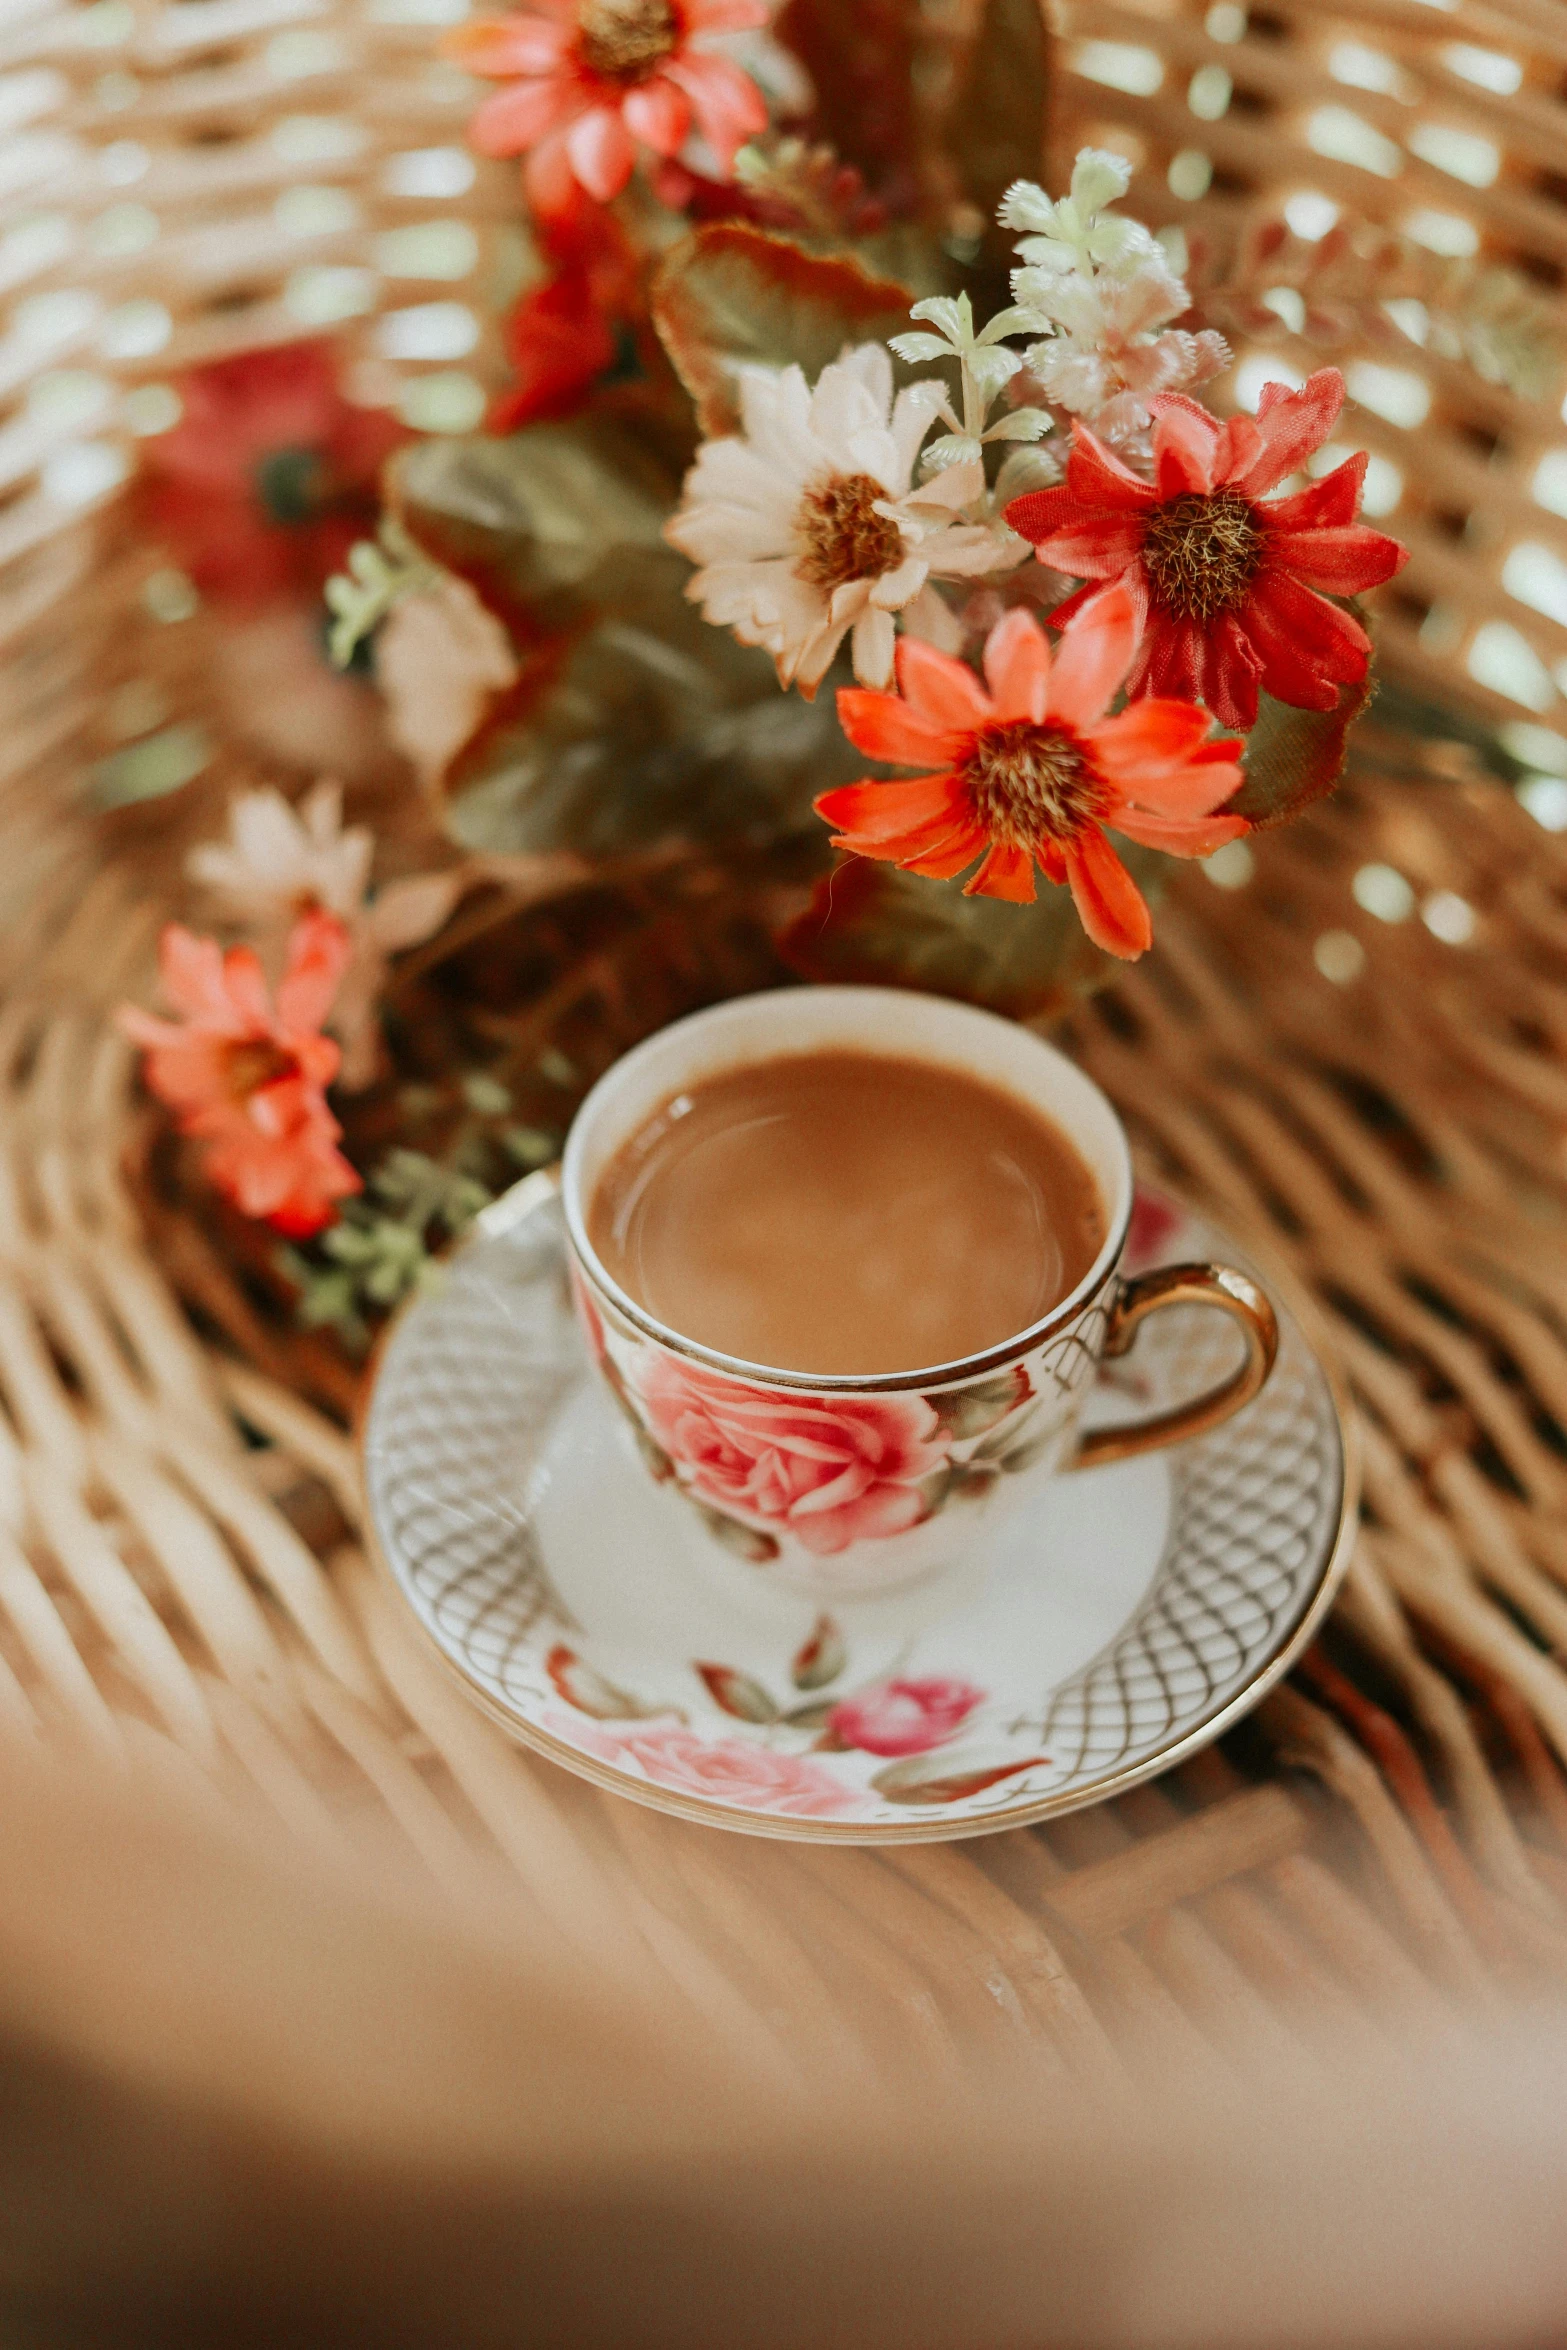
column 588, row 1690
column 729, row 295
column 861, row 55
column 924, row 1778
column 1293, row 757
column 994, row 131
column 822, row 1658
column 737, row 1693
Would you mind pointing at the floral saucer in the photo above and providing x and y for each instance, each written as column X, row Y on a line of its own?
column 1123, row 1618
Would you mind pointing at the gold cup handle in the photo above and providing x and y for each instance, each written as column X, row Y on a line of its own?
column 1186, row 1285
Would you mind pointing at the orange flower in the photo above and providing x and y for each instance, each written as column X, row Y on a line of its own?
column 1033, row 771
column 589, row 81
column 248, row 1078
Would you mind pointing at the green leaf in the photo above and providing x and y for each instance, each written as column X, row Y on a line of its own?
column 946, row 1778
column 822, row 1658
column 736, row 1693
column 812, row 1716
column 869, row 923
column 635, row 724
column 1293, row 757
column 729, row 295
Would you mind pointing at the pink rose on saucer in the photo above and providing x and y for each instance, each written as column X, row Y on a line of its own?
column 904, row 1717
column 830, row 1470
column 726, row 1770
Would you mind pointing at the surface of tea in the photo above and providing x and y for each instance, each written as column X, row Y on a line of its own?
column 845, row 1212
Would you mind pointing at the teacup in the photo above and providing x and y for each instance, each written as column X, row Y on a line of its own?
column 844, row 1486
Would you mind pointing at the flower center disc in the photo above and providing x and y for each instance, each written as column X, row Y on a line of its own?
column 623, row 40
column 842, row 537
column 1201, row 553
column 1031, row 782
column 253, row 1063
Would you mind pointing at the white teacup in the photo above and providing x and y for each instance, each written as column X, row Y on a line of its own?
column 842, row 1486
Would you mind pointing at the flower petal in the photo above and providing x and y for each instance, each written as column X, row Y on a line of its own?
column 884, row 727
column 1321, row 505
column 518, row 118
column 547, row 176
column 1086, row 544
column 943, row 691
column 1341, row 562
column 1292, row 425
column 876, row 819
column 1094, row 656
column 658, row 114
column 729, row 106
column 1108, row 900
column 1186, row 445
column 1017, row 666
column 945, row 863
column 601, row 152
column 1307, row 648
column 318, row 955
column 1097, row 476
column 509, row 46
column 872, row 645
column 1180, row 836
column 1006, row 873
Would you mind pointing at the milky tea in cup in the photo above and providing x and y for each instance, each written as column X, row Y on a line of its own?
column 846, row 1212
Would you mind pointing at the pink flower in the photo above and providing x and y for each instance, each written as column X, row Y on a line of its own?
column 247, row 1077
column 588, row 81
column 904, row 1717
column 725, row 1770
column 830, row 1470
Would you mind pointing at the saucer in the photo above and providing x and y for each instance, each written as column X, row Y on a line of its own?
column 1116, row 1622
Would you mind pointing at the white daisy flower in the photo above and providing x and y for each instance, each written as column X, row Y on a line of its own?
column 807, row 524
column 280, row 862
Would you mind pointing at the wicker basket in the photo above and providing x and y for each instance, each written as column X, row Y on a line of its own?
column 1352, row 1050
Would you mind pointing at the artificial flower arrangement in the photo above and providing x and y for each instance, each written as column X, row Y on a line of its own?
column 850, row 584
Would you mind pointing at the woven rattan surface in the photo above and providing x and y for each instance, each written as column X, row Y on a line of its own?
column 1380, row 1102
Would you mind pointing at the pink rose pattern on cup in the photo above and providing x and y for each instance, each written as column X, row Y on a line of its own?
column 764, row 1465
column 828, row 1470
column 786, row 1760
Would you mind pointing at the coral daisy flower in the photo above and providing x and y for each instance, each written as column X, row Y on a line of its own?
column 269, row 476
column 806, row 524
column 1032, row 771
column 279, row 862
column 1223, row 579
column 247, row 1076
column 591, row 80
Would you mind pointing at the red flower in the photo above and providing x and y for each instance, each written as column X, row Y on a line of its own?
column 248, row 1077
column 591, row 80
column 1033, row 771
column 561, row 337
column 1223, row 578
column 269, row 476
